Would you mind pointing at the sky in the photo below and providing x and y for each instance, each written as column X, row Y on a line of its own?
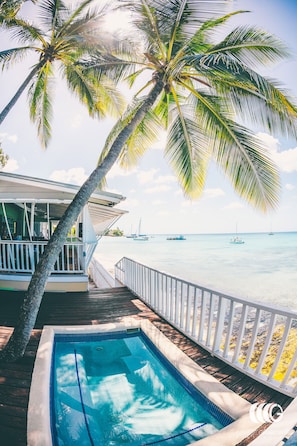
column 151, row 190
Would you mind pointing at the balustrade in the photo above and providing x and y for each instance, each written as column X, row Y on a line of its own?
column 259, row 340
column 22, row 257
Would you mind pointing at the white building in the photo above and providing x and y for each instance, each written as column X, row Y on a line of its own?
column 30, row 209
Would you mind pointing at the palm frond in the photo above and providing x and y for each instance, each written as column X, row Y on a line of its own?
column 198, row 43
column 257, row 98
column 13, row 55
column 247, row 164
column 52, row 14
column 236, row 150
column 40, row 103
column 251, row 46
column 22, row 30
column 108, row 65
column 83, row 25
column 101, row 98
column 186, row 150
column 124, row 121
column 144, row 135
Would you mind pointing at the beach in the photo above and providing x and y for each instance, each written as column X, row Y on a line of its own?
column 263, row 268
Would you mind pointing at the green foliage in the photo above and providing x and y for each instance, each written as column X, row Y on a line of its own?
column 210, row 87
column 117, row 232
column 65, row 39
column 3, row 158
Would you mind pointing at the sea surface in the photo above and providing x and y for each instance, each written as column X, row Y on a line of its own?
column 263, row 268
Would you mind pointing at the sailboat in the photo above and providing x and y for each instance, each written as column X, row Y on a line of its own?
column 236, row 240
column 140, row 237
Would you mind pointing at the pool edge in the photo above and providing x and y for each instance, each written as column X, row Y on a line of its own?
column 38, row 424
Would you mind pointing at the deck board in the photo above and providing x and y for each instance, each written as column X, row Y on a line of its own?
column 95, row 307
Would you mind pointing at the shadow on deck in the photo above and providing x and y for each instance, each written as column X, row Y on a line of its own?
column 95, row 307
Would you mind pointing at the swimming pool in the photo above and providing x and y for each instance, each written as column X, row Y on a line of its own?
column 74, row 377
column 115, row 389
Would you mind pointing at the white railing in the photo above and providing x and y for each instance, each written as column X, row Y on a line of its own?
column 22, row 257
column 259, row 340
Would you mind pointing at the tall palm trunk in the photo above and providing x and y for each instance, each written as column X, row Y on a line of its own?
column 13, row 101
column 33, row 297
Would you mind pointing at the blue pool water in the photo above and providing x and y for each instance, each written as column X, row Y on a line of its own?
column 117, row 389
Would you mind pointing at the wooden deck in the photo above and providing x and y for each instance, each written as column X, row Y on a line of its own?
column 95, row 307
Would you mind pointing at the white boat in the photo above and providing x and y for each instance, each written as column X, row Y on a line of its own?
column 236, row 240
column 177, row 237
column 30, row 209
column 140, row 237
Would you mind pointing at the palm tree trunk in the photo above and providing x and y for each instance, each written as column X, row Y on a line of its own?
column 18, row 341
column 13, row 101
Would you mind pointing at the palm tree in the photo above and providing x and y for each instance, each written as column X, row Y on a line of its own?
column 66, row 37
column 195, row 89
column 9, row 9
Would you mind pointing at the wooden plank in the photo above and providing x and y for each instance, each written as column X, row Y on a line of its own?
column 96, row 306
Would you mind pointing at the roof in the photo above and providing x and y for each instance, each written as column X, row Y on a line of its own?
column 25, row 187
column 16, row 188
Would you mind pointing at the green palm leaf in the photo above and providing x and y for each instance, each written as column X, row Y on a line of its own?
column 68, row 39
column 252, row 46
column 40, row 104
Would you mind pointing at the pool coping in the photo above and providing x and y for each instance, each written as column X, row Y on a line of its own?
column 38, row 424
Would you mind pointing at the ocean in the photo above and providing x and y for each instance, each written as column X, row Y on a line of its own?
column 263, row 268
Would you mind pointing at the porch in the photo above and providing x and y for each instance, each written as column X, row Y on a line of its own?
column 30, row 211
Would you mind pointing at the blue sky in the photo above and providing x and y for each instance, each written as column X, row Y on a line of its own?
column 151, row 190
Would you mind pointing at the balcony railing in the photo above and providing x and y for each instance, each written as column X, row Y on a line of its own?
column 22, row 257
column 259, row 340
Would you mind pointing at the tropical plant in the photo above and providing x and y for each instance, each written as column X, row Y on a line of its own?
column 3, row 158
column 195, row 89
column 66, row 37
column 9, row 9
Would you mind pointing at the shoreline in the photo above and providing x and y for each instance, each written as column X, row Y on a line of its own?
column 261, row 269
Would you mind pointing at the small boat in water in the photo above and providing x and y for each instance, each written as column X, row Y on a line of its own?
column 178, row 237
column 236, row 241
column 140, row 237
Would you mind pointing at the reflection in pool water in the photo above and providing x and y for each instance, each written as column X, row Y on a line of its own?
column 117, row 389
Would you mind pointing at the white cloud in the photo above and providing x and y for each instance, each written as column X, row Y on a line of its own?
column 75, row 175
column 146, row 176
column 117, row 171
column 289, row 186
column 234, row 205
column 161, row 142
column 130, row 203
column 11, row 166
column 270, row 142
column 187, row 203
column 286, row 160
column 163, row 213
column 213, row 193
column 158, row 202
column 76, row 121
column 158, row 188
column 7, row 137
column 165, row 179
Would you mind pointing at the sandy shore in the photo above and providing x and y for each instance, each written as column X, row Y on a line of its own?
column 107, row 265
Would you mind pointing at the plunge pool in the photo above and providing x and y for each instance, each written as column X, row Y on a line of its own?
column 126, row 384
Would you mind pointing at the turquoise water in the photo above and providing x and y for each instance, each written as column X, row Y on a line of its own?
column 116, row 391
column 264, row 268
